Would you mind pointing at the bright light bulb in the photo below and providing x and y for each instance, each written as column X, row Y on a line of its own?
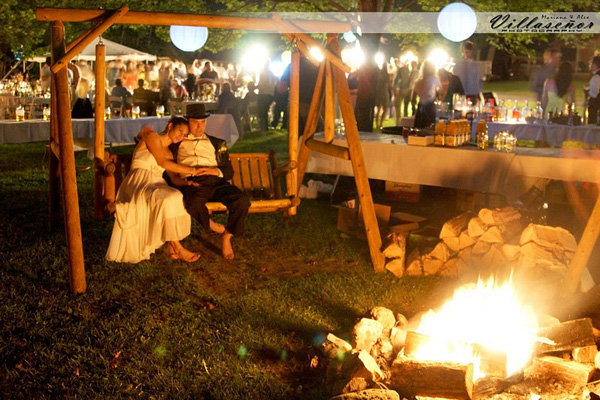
column 255, row 58
column 439, row 58
column 316, row 53
column 286, row 57
column 277, row 68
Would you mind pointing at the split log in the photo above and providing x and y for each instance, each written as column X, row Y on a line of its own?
column 566, row 371
column 396, row 247
column 453, row 243
column 493, row 363
column 537, row 252
column 464, row 240
column 476, row 227
column 441, row 252
column 454, row 267
column 334, row 347
column 511, row 251
column 481, row 248
column 585, row 354
column 566, row 336
column 499, row 216
column 414, row 264
column 494, row 256
column 455, row 226
column 431, row 266
column 396, row 267
column 432, row 379
column 549, row 237
column 492, row 235
column 491, row 385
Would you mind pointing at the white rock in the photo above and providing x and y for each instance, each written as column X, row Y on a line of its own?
column 366, row 333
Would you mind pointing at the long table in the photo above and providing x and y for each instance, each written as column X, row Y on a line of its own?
column 388, row 157
column 118, row 130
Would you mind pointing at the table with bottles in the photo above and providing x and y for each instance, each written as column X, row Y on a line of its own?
column 388, row 157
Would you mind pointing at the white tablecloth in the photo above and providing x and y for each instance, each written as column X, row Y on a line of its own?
column 388, row 157
column 119, row 130
column 553, row 134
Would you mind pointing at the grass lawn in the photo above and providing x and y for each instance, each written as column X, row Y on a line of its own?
column 166, row 330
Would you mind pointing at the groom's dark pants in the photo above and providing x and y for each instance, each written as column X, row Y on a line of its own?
column 213, row 188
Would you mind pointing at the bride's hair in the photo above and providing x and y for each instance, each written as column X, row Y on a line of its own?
column 175, row 121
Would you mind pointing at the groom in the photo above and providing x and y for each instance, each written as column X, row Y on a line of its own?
column 198, row 149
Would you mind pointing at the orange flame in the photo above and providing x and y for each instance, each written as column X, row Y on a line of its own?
column 486, row 314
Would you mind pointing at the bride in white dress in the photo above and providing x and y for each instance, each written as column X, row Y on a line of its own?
column 149, row 212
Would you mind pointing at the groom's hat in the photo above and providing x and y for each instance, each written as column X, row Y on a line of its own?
column 196, row 111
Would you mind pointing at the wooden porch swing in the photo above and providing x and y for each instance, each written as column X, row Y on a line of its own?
column 331, row 72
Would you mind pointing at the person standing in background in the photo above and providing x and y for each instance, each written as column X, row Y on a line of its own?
column 382, row 97
column 594, row 92
column 402, row 90
column 552, row 58
column 46, row 75
column 468, row 72
column 281, row 97
column 428, row 89
column 266, row 86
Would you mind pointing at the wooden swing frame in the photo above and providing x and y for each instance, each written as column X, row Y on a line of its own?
column 331, row 75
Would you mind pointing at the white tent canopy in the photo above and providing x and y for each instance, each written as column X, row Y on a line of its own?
column 113, row 50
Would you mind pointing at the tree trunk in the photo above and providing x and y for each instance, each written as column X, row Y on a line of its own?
column 367, row 76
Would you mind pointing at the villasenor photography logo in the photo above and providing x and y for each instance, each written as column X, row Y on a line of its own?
column 543, row 22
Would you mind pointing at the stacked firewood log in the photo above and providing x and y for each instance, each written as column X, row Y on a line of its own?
column 492, row 238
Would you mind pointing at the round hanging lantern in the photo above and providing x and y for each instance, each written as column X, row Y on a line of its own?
column 188, row 38
column 457, row 22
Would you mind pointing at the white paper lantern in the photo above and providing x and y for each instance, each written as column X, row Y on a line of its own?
column 188, row 38
column 457, row 22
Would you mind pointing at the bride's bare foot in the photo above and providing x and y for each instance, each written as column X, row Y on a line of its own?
column 216, row 227
column 178, row 252
column 227, row 248
column 187, row 255
column 172, row 251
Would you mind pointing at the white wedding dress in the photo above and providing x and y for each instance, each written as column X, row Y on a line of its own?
column 149, row 212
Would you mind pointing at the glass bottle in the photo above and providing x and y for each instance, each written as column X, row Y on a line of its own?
column 20, row 113
column 516, row 112
column 527, row 111
column 482, row 135
column 46, row 113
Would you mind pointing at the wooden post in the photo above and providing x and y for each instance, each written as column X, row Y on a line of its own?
column 292, row 175
column 358, row 165
column 54, row 167
column 99, row 130
column 329, row 105
column 584, row 251
column 67, row 166
column 311, row 125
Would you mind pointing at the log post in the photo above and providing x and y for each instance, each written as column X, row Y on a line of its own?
column 329, row 105
column 358, row 165
column 67, row 166
column 292, row 175
column 311, row 124
column 54, row 167
column 99, row 130
column 584, row 251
